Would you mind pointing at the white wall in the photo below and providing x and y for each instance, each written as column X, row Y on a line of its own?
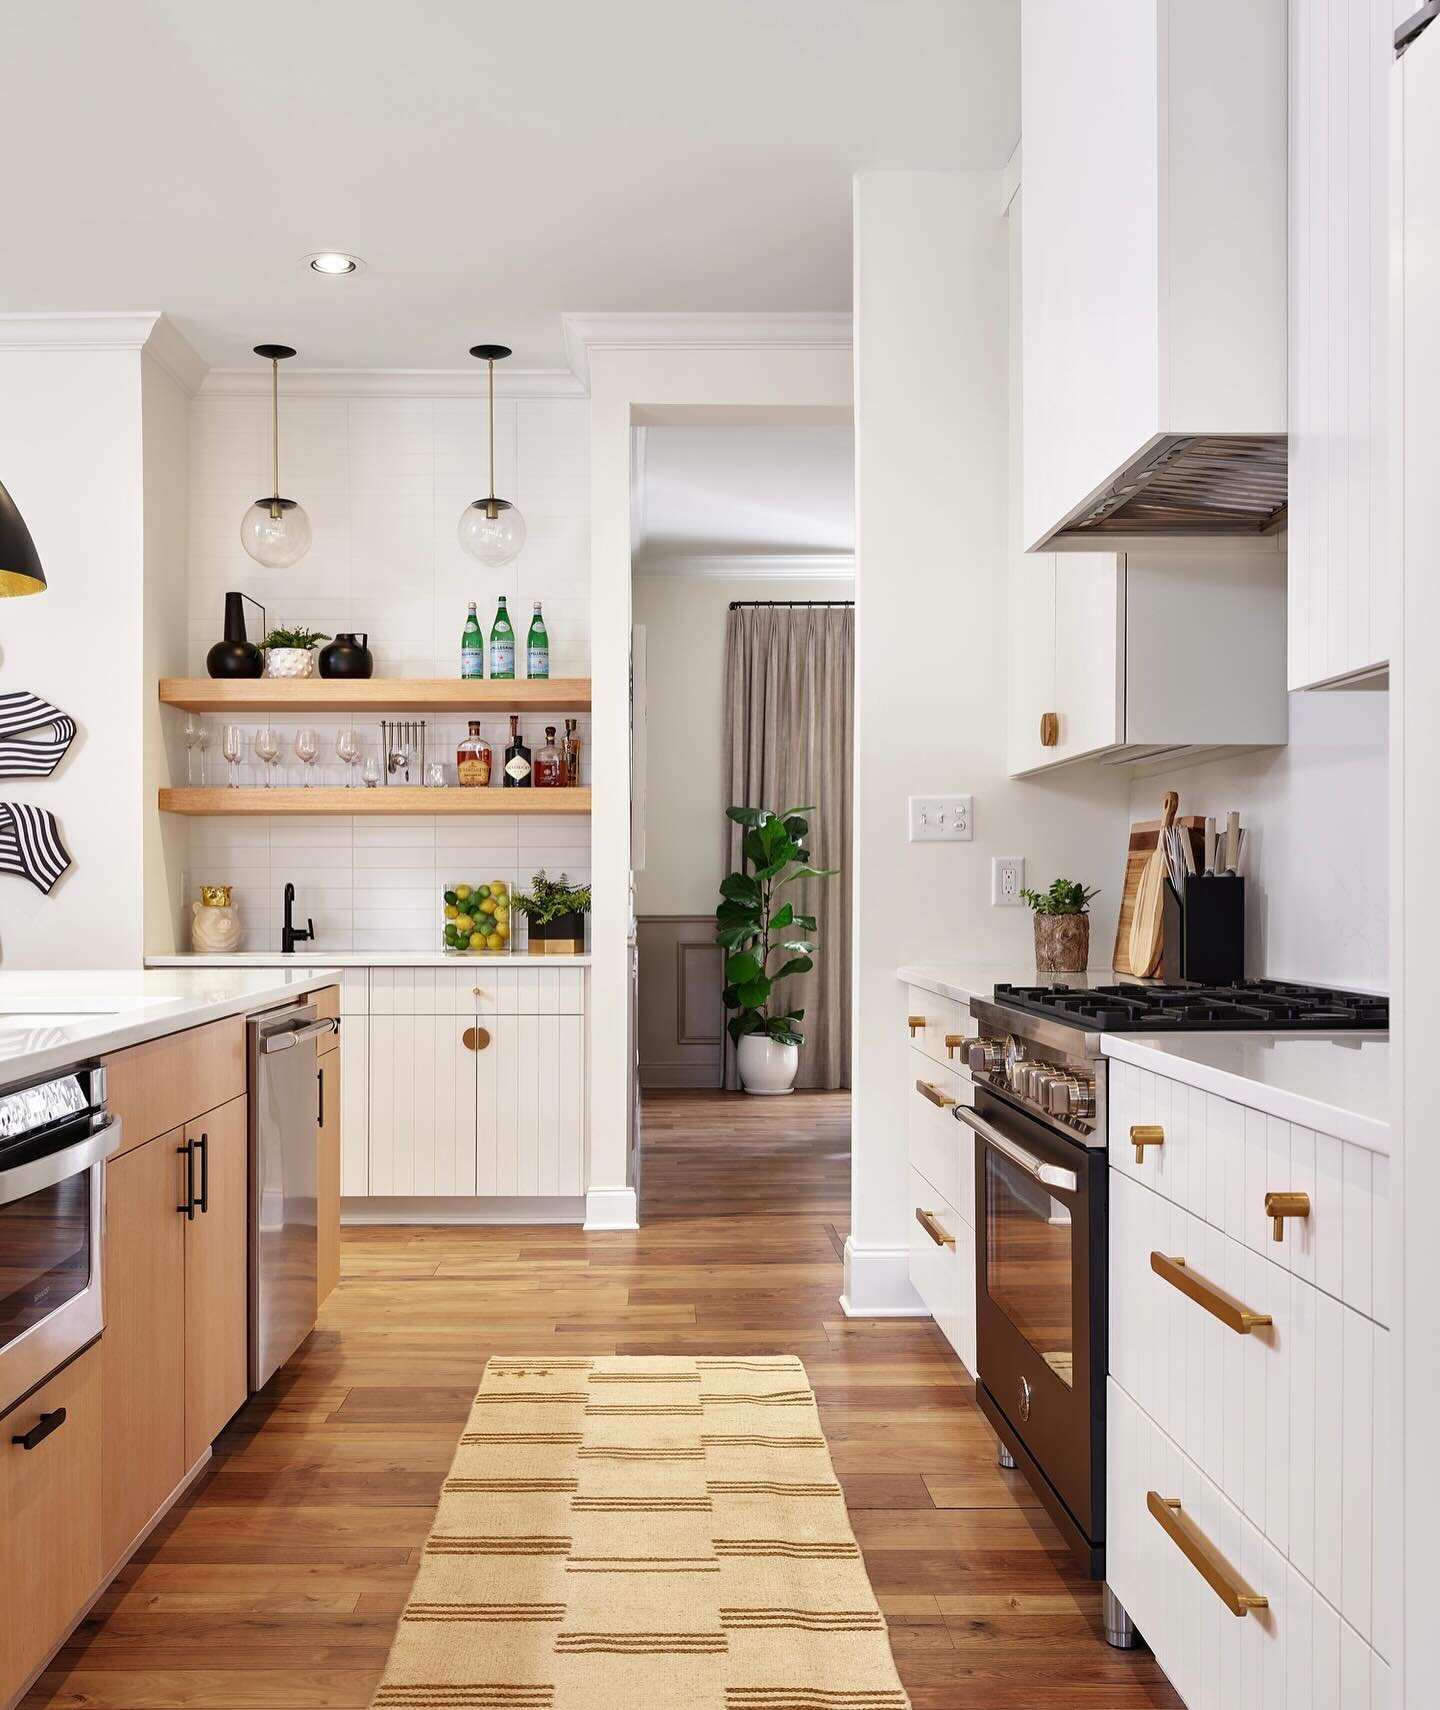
column 1316, row 845
column 685, row 620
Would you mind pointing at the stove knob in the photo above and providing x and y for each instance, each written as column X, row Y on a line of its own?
column 985, row 1056
column 1044, row 1084
column 1074, row 1096
column 1036, row 1078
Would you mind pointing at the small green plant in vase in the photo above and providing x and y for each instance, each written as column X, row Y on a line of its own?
column 290, row 651
column 555, row 910
column 766, row 942
column 1062, row 926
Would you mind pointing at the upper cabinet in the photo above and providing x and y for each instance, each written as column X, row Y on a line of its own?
column 1154, row 300
column 1341, row 75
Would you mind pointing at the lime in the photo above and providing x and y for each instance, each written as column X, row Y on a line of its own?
column 482, row 890
column 451, row 897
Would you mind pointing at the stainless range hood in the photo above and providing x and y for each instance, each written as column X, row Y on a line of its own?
column 1186, row 485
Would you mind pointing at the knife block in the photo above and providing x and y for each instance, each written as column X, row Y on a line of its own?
column 1203, row 932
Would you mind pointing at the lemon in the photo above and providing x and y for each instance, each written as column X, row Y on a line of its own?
column 488, row 906
column 462, row 891
column 502, row 932
column 495, row 941
column 477, row 940
column 464, row 922
column 497, row 887
column 451, row 912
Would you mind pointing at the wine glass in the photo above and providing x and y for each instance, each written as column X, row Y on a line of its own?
column 347, row 747
column 232, row 747
column 307, row 749
column 370, row 771
column 202, row 743
column 267, row 751
column 192, row 730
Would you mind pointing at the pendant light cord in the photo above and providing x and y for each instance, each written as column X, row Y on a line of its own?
column 275, row 435
column 490, row 364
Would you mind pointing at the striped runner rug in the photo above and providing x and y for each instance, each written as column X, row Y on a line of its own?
column 642, row 1534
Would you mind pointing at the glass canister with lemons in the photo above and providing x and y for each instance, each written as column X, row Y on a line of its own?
column 476, row 919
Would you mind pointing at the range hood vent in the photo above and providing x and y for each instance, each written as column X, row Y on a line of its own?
column 1189, row 486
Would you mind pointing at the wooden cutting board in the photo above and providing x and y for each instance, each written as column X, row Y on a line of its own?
column 1144, row 838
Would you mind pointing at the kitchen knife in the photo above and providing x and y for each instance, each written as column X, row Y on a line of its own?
column 1210, row 847
column 1232, row 841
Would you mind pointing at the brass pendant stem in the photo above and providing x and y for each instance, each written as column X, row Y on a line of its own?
column 275, row 434
column 490, row 364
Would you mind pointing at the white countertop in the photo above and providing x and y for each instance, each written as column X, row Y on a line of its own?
column 358, row 959
column 963, row 981
column 1339, row 1084
column 50, row 1021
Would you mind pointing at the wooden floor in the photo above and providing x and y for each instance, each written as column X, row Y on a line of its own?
column 279, row 1580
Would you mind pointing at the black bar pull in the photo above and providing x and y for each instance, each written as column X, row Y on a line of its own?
column 320, row 1107
column 187, row 1152
column 1415, row 25
column 37, row 1434
column 204, row 1172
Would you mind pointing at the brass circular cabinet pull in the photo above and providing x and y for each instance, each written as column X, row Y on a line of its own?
column 475, row 1038
column 1049, row 729
column 1141, row 1137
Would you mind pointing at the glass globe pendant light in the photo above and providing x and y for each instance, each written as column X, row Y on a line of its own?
column 275, row 531
column 491, row 529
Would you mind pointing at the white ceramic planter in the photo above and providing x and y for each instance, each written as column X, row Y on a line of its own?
column 289, row 662
column 767, row 1066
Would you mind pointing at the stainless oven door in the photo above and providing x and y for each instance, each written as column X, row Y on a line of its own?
column 1041, row 1297
column 51, row 1208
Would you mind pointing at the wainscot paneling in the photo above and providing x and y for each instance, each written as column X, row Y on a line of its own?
column 681, row 1021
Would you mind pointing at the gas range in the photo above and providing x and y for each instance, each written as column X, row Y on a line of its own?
column 1040, row 1045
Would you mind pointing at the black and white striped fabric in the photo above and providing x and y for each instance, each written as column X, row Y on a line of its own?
column 30, row 845
column 23, row 753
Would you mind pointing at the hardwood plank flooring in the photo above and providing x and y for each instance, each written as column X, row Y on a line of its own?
column 277, row 1583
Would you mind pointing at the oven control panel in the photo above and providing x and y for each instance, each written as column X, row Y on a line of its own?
column 1065, row 1092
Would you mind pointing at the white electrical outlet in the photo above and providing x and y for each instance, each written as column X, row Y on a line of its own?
column 941, row 819
column 1007, row 880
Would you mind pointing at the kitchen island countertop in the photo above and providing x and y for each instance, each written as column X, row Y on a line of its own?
column 359, row 959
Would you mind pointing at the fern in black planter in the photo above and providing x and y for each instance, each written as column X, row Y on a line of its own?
column 556, row 913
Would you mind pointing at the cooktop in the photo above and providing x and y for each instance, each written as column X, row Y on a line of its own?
column 1266, row 1005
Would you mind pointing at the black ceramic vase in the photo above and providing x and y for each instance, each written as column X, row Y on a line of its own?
column 235, row 656
column 347, row 656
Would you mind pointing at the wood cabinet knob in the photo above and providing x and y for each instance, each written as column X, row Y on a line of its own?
column 475, row 1038
column 1049, row 729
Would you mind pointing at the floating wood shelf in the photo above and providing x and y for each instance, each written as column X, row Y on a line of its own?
column 374, row 694
column 385, row 799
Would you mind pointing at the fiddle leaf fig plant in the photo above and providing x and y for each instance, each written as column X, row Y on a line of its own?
column 766, row 939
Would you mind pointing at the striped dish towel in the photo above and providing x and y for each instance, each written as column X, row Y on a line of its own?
column 24, row 754
column 30, row 845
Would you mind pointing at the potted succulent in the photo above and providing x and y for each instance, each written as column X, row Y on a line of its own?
column 1062, row 927
column 290, row 652
column 755, row 928
column 556, row 913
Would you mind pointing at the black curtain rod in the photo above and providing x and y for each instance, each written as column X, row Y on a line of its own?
column 740, row 605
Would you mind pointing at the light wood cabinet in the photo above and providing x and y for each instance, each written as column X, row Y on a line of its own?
column 160, row 1085
column 216, row 1273
column 329, row 1105
column 50, row 1560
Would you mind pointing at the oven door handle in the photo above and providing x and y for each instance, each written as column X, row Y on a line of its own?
column 55, row 1167
column 1048, row 1175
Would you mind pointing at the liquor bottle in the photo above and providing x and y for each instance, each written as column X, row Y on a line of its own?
column 517, row 759
column 472, row 647
column 572, row 754
column 549, row 773
column 472, row 759
column 502, row 644
column 537, row 647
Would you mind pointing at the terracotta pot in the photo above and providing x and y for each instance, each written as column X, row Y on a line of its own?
column 1062, row 943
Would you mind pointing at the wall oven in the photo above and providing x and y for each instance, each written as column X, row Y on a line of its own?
column 54, row 1138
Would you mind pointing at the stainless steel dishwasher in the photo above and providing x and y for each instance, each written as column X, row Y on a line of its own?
column 283, row 1139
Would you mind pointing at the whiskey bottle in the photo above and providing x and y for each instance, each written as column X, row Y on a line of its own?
column 472, row 647
column 502, row 644
column 472, row 759
column 517, row 759
column 549, row 771
column 537, row 647
column 572, row 754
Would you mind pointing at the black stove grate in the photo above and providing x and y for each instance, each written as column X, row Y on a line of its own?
column 1263, row 1005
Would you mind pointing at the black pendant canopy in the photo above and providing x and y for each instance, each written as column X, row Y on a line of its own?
column 20, row 571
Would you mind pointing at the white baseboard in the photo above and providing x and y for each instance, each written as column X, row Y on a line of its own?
column 377, row 1208
column 877, row 1284
column 611, row 1208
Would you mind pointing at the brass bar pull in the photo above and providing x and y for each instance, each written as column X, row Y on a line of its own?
column 934, row 1094
column 1279, row 1206
column 955, row 1042
column 914, row 1023
column 926, row 1220
column 1141, row 1137
column 1233, row 1592
column 1049, row 729
column 1225, row 1307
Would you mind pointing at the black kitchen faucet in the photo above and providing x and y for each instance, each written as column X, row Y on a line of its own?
column 290, row 934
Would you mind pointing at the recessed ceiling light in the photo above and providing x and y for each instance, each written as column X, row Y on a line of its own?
column 332, row 261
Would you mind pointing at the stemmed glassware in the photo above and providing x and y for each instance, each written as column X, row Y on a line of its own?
column 192, row 732
column 202, row 743
column 347, row 747
column 233, row 747
column 267, row 750
column 307, row 750
column 370, row 771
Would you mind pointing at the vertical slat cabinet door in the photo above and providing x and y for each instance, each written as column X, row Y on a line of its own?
column 355, row 1107
column 329, row 1120
column 494, row 1147
column 422, row 1107
column 217, row 1301
column 142, row 1353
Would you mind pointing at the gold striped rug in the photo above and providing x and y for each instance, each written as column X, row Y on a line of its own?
column 642, row 1534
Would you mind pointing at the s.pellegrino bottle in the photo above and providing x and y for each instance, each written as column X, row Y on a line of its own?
column 472, row 646
column 537, row 647
column 502, row 644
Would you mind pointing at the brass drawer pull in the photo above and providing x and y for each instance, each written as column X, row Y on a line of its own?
column 934, row 1094
column 955, row 1042
column 1225, row 1307
column 1202, row 1555
column 926, row 1220
column 475, row 1038
column 914, row 1023
column 1049, row 729
column 1279, row 1206
column 1141, row 1137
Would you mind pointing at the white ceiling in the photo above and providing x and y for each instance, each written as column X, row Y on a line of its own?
column 763, row 492
column 496, row 162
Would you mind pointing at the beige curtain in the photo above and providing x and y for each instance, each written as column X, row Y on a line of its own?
column 790, row 724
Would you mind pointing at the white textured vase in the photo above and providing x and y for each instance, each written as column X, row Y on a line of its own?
column 767, row 1066
column 289, row 662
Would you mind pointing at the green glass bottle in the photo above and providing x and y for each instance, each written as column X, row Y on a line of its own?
column 502, row 644
column 537, row 647
column 472, row 647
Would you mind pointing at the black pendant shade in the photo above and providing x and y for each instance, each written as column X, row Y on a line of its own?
column 20, row 571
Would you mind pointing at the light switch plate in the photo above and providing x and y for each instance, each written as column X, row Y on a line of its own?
column 941, row 819
column 1007, row 880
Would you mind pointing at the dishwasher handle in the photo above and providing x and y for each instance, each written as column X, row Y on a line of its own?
column 284, row 1041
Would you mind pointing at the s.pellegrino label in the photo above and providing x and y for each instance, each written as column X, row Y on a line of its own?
column 472, row 647
column 502, row 644
column 537, row 647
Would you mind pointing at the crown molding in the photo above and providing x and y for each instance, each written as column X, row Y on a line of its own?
column 99, row 330
column 176, row 355
column 584, row 333
column 745, row 566
column 392, row 383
